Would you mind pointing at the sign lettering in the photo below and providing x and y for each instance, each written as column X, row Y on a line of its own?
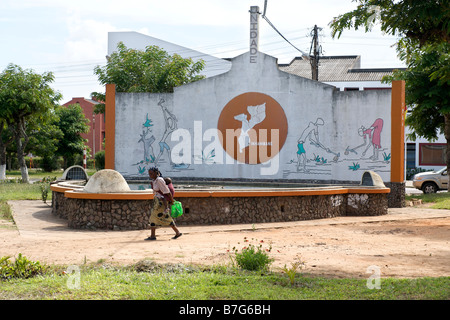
column 254, row 34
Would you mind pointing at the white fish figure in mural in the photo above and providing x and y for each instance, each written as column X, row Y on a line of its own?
column 257, row 115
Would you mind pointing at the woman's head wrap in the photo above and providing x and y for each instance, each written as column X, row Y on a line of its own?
column 156, row 170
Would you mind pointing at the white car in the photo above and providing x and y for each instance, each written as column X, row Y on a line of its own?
column 431, row 181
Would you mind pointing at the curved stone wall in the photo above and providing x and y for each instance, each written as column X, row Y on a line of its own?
column 131, row 211
column 108, row 214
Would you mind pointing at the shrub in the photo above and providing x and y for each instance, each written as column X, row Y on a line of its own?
column 45, row 188
column 292, row 271
column 20, row 268
column 252, row 257
column 100, row 160
column 49, row 163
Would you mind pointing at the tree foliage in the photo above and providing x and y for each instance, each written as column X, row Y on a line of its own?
column 6, row 138
column 44, row 137
column 71, row 122
column 424, row 22
column 427, row 86
column 25, row 97
column 423, row 28
column 149, row 70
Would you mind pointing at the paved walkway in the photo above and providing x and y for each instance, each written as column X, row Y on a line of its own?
column 33, row 218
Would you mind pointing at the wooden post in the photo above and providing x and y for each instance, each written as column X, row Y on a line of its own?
column 398, row 113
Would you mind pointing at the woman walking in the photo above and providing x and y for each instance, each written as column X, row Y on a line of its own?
column 160, row 215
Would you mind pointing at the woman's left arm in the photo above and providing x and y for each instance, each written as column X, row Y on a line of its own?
column 169, row 196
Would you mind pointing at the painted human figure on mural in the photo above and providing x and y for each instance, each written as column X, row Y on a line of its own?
column 374, row 135
column 170, row 126
column 311, row 132
column 372, row 138
column 147, row 138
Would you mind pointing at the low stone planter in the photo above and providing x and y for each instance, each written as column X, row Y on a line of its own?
column 131, row 211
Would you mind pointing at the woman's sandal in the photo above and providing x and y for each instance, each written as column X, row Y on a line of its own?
column 151, row 238
column 177, row 236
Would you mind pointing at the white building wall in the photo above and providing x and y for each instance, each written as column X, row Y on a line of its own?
column 178, row 132
column 418, row 142
column 139, row 41
column 216, row 66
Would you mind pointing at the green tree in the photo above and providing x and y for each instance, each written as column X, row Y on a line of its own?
column 423, row 28
column 44, row 140
column 71, row 122
column 428, row 91
column 149, row 70
column 6, row 139
column 25, row 97
column 427, row 86
column 423, row 22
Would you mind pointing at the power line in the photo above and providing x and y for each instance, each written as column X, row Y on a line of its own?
column 88, row 65
column 304, row 55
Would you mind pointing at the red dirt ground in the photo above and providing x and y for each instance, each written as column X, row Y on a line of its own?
column 408, row 242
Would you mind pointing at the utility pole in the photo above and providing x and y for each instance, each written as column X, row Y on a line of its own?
column 314, row 57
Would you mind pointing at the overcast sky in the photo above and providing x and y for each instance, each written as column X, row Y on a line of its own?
column 70, row 38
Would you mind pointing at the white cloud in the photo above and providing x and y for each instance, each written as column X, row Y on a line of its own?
column 87, row 39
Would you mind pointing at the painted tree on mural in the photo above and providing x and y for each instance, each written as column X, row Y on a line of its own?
column 150, row 70
column 423, row 28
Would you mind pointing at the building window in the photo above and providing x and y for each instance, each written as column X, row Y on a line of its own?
column 432, row 154
column 410, row 155
column 351, row 89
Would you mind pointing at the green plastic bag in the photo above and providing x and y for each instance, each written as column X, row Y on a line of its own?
column 176, row 210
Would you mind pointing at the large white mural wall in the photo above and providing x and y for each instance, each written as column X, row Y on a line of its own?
column 254, row 122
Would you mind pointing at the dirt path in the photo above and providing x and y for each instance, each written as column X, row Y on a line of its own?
column 408, row 242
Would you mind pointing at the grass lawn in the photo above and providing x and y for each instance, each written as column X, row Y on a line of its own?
column 13, row 189
column 148, row 280
column 17, row 191
column 181, row 282
column 38, row 174
column 439, row 200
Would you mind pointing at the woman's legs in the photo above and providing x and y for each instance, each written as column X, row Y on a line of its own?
column 174, row 228
column 160, row 216
column 152, row 235
column 177, row 232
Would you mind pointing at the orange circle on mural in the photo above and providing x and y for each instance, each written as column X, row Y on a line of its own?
column 253, row 128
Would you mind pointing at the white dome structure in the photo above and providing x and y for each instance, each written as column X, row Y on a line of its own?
column 106, row 181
